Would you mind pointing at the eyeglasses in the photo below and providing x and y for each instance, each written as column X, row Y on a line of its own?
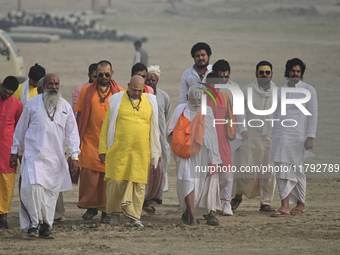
column 262, row 72
column 225, row 77
column 107, row 75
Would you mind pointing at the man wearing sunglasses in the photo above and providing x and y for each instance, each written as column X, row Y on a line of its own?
column 92, row 106
column 255, row 151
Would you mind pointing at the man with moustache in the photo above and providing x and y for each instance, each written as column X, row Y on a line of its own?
column 157, row 179
column 201, row 53
column 255, row 151
column 290, row 144
column 92, row 106
column 46, row 122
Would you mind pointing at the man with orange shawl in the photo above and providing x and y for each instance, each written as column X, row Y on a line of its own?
column 195, row 149
column 92, row 106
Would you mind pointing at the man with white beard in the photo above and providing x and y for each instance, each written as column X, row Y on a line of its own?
column 47, row 120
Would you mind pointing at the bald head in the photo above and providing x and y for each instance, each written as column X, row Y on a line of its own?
column 136, row 86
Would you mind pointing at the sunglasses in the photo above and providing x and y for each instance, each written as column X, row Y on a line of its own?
column 107, row 75
column 225, row 77
column 262, row 72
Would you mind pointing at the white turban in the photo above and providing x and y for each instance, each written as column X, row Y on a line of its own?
column 155, row 70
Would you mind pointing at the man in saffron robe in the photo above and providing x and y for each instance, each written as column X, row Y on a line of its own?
column 128, row 141
column 225, row 132
column 92, row 106
column 11, row 109
column 194, row 144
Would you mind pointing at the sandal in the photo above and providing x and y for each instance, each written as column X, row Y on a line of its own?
column 105, row 219
column 266, row 208
column 194, row 223
column 90, row 213
column 297, row 211
column 235, row 203
column 186, row 218
column 280, row 214
column 3, row 224
column 213, row 221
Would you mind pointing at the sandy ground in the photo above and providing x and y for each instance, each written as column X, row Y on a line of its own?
column 243, row 32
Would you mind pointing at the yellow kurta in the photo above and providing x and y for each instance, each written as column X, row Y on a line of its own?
column 128, row 159
column 32, row 91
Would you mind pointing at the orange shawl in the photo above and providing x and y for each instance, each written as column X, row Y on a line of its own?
column 181, row 144
column 85, row 112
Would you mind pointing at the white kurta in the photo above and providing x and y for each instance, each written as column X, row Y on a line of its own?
column 190, row 78
column 288, row 142
column 255, row 151
column 44, row 163
column 188, row 178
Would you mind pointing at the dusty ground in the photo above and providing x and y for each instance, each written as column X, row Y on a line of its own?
column 243, row 32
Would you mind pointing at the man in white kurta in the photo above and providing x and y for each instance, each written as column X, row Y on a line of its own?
column 198, row 192
column 201, row 53
column 255, row 151
column 289, row 144
column 44, row 169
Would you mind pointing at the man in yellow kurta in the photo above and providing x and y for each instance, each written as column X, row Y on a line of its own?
column 92, row 106
column 28, row 89
column 130, row 139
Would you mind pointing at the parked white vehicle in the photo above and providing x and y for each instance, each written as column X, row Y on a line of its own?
column 11, row 61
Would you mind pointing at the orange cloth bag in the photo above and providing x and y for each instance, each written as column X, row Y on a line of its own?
column 185, row 142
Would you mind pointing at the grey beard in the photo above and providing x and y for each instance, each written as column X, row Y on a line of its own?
column 52, row 98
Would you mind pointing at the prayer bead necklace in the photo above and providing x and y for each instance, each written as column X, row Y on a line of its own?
column 51, row 117
column 132, row 103
column 105, row 95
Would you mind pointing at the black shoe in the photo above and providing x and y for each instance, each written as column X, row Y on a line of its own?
column 32, row 232
column 3, row 224
column 45, row 233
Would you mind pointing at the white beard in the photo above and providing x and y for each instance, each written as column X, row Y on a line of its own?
column 51, row 99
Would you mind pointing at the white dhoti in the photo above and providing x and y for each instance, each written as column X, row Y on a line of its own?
column 292, row 183
column 206, row 196
column 37, row 204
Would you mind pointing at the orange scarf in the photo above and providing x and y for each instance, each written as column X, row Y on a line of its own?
column 181, row 144
column 85, row 112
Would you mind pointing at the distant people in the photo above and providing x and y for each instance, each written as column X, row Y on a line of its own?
column 255, row 151
column 92, row 74
column 157, row 178
column 91, row 107
column 201, row 53
column 129, row 142
column 46, row 122
column 11, row 109
column 141, row 56
column 194, row 144
column 141, row 70
column 225, row 133
column 28, row 89
column 290, row 144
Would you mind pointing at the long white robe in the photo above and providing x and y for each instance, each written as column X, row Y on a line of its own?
column 288, row 142
column 44, row 163
column 255, row 151
column 206, row 190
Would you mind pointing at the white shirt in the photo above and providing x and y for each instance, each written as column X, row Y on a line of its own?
column 190, row 78
column 44, row 157
column 288, row 142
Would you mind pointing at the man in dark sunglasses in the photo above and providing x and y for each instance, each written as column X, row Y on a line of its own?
column 255, row 151
column 92, row 106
